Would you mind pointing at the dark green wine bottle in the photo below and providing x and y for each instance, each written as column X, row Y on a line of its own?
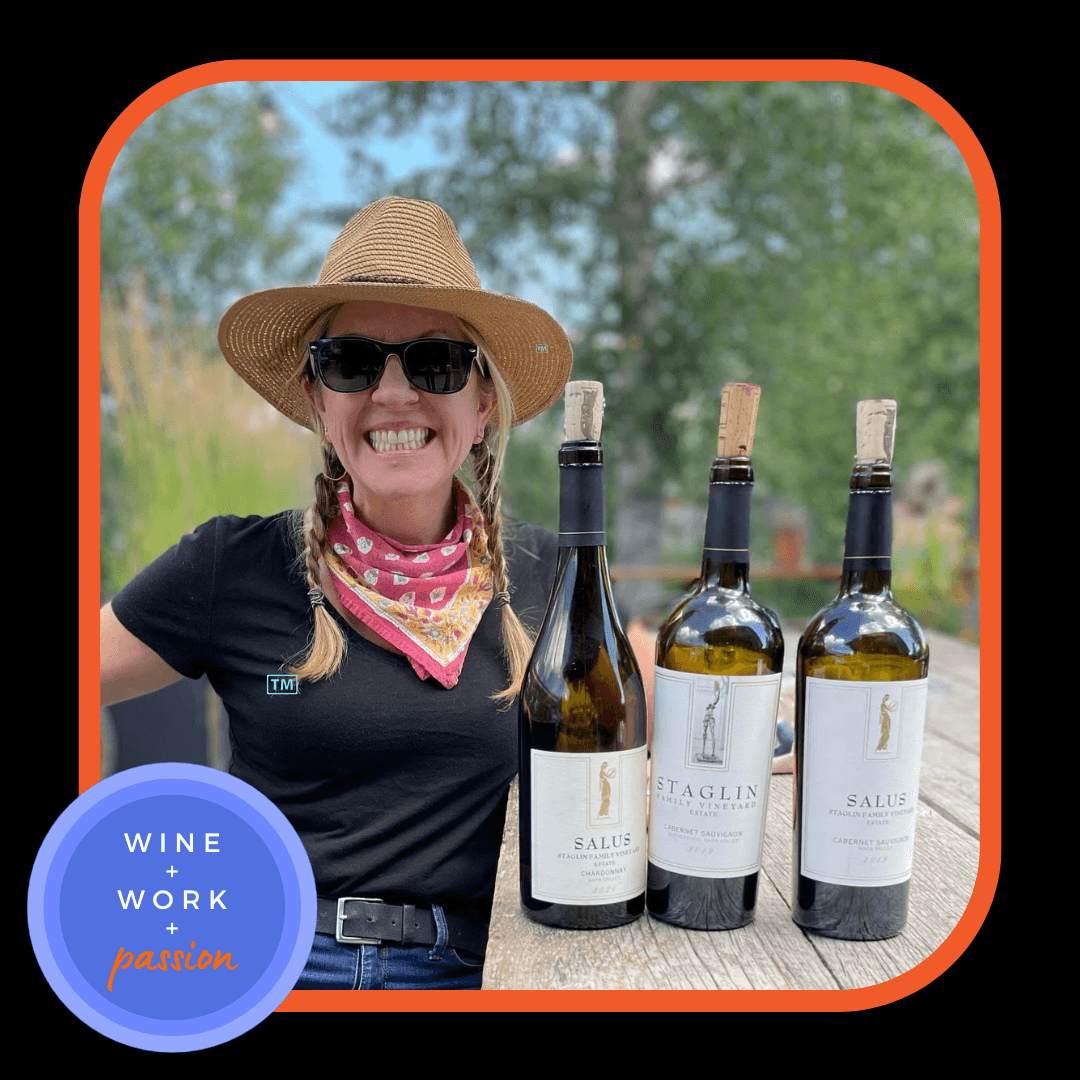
column 860, row 704
column 719, row 657
column 582, row 716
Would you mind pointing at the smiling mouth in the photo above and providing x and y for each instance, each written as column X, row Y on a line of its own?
column 389, row 442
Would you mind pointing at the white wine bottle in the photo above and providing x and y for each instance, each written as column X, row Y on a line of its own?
column 860, row 704
column 719, row 657
column 582, row 716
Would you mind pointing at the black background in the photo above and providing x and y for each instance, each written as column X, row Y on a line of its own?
column 53, row 142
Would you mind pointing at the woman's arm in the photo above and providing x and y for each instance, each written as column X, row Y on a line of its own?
column 128, row 667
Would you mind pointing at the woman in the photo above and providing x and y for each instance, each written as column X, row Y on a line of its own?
column 395, row 598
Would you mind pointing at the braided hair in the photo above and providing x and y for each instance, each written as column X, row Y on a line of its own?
column 481, row 473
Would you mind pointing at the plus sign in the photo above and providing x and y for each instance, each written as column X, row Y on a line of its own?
column 171, row 928
column 172, row 871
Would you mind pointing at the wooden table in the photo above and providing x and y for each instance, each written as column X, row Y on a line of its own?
column 772, row 952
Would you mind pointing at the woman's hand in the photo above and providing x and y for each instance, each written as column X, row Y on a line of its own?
column 128, row 667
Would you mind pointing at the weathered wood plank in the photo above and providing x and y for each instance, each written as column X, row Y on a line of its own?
column 773, row 953
column 949, row 781
column 943, row 876
column 954, row 659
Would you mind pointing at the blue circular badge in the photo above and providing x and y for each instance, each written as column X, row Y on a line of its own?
column 172, row 907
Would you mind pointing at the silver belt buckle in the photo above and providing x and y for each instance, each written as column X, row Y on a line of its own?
column 342, row 901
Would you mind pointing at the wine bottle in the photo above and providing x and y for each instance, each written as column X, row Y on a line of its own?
column 582, row 716
column 860, row 703
column 719, row 657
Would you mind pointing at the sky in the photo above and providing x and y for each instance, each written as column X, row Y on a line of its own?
column 323, row 181
column 323, row 178
column 323, row 175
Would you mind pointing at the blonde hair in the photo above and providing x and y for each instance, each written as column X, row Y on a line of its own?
column 482, row 475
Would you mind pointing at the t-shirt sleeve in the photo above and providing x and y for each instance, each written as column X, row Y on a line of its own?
column 168, row 606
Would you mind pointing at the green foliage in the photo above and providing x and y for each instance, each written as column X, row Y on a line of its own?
column 188, row 221
column 531, row 474
column 795, row 600
column 820, row 239
column 875, row 295
column 932, row 580
column 190, row 203
column 183, row 440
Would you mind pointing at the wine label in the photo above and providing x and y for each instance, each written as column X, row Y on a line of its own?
column 860, row 780
column 588, row 826
column 712, row 746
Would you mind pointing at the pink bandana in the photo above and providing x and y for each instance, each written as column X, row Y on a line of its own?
column 425, row 599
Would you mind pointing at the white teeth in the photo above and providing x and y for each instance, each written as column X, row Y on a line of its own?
column 385, row 441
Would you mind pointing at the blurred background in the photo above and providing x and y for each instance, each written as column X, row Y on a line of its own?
column 819, row 239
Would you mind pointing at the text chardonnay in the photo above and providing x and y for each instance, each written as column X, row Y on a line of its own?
column 582, row 716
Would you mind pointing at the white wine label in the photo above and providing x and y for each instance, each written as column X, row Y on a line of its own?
column 712, row 745
column 860, row 776
column 588, row 826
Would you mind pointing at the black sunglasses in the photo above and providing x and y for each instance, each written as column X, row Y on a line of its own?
column 433, row 365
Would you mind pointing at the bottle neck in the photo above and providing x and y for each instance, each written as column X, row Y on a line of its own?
column 581, row 574
column 868, row 537
column 725, row 560
column 581, row 495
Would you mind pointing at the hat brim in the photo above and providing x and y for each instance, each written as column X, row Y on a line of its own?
column 260, row 337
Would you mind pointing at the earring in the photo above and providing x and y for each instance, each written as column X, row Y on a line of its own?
column 344, row 471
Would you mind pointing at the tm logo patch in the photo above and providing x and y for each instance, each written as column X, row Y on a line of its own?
column 282, row 684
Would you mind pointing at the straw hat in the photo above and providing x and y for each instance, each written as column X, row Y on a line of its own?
column 406, row 252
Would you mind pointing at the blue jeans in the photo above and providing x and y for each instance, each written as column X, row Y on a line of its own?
column 333, row 966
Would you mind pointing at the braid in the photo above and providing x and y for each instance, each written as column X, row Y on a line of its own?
column 327, row 646
column 517, row 641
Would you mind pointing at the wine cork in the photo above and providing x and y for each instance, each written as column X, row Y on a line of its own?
column 738, row 418
column 583, row 410
column 875, row 430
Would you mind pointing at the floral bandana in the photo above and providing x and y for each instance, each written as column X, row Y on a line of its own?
column 425, row 599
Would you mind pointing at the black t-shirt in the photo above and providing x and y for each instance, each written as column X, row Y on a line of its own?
column 396, row 786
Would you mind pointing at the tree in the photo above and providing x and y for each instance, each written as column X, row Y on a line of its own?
column 189, row 220
column 819, row 239
column 190, row 203
column 859, row 279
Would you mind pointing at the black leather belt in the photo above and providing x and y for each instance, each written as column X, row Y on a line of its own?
column 363, row 921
